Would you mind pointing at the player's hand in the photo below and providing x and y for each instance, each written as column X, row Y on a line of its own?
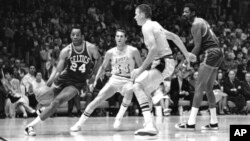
column 186, row 64
column 92, row 86
column 191, row 57
column 49, row 83
column 135, row 73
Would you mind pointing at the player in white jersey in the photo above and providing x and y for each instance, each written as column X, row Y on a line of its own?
column 163, row 64
column 123, row 59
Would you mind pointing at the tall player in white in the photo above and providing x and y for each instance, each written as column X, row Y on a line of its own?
column 163, row 64
column 123, row 59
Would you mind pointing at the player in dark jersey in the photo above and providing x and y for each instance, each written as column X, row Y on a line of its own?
column 205, row 41
column 81, row 59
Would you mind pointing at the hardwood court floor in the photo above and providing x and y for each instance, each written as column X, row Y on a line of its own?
column 100, row 129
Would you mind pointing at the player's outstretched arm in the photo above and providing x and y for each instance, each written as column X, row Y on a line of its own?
column 103, row 67
column 176, row 39
column 60, row 66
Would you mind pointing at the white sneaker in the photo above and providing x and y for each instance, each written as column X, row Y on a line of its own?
column 29, row 131
column 117, row 123
column 149, row 130
column 75, row 128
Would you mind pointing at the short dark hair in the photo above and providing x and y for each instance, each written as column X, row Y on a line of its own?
column 121, row 30
column 191, row 7
column 8, row 70
column 146, row 9
column 38, row 72
column 77, row 26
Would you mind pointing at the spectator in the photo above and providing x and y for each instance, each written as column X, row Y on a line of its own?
column 3, row 95
column 44, row 54
column 246, row 91
column 27, row 79
column 233, row 88
column 222, row 104
column 16, row 95
column 39, row 88
column 179, row 89
column 161, row 96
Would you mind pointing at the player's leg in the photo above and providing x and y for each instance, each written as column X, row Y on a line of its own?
column 65, row 95
column 197, row 99
column 128, row 95
column 106, row 92
column 44, row 97
column 207, row 75
column 213, row 61
column 143, row 86
column 211, row 100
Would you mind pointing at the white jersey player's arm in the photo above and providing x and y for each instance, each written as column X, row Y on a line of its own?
column 104, row 65
column 60, row 66
column 150, row 42
column 137, row 58
column 176, row 39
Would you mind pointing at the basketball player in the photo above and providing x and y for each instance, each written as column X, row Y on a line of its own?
column 80, row 57
column 123, row 59
column 163, row 64
column 206, row 42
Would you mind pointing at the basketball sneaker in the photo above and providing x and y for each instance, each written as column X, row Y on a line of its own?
column 185, row 126
column 210, row 127
column 29, row 131
column 167, row 112
column 117, row 123
column 148, row 130
column 75, row 128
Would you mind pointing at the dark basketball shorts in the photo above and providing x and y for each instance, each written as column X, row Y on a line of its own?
column 66, row 80
column 213, row 57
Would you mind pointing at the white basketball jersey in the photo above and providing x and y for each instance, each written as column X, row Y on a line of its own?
column 122, row 63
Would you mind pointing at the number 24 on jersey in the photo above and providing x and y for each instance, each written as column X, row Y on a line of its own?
column 74, row 66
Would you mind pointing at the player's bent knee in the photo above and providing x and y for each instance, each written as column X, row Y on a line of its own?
column 137, row 86
column 126, row 101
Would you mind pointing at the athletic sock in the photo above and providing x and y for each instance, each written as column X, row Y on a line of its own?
column 213, row 119
column 83, row 118
column 122, row 111
column 192, row 117
column 34, row 122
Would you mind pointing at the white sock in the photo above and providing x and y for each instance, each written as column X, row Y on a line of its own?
column 35, row 121
column 147, row 117
column 121, row 112
column 82, row 119
column 192, row 117
column 213, row 115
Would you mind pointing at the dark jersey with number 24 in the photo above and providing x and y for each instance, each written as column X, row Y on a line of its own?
column 79, row 64
column 79, row 68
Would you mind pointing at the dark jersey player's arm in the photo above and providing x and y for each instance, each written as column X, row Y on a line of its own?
column 60, row 66
column 96, row 57
column 196, row 31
